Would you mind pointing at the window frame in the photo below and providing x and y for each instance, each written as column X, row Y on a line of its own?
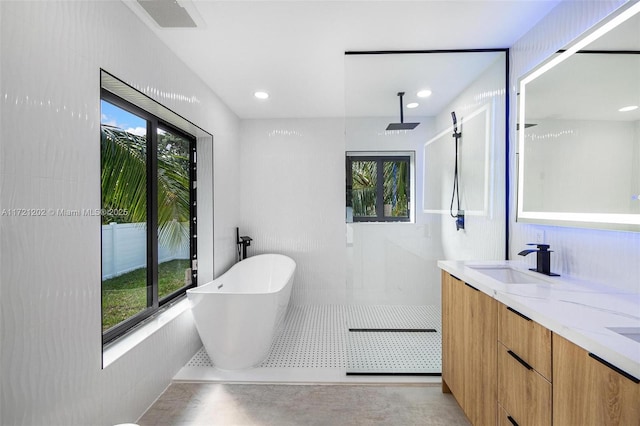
column 153, row 123
column 380, row 157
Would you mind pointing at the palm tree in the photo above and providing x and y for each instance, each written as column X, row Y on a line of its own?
column 364, row 188
column 396, row 174
column 124, row 182
column 394, row 187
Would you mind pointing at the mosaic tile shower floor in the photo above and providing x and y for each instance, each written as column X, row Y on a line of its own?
column 315, row 345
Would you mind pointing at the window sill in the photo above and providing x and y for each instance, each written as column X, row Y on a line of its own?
column 121, row 346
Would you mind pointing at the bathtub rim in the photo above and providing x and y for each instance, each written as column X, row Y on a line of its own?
column 203, row 289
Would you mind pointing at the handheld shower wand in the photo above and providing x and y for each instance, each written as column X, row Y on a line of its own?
column 459, row 216
column 456, row 134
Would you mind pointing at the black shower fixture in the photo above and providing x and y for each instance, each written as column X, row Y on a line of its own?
column 402, row 125
column 242, row 243
column 459, row 217
column 526, row 125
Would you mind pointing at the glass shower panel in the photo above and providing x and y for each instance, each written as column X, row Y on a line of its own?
column 392, row 259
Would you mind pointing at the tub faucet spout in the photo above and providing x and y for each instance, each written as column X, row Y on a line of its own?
column 242, row 243
column 543, row 258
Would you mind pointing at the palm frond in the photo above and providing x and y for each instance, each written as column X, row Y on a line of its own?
column 124, row 184
column 124, row 173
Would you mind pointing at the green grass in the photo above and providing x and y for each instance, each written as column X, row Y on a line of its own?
column 126, row 295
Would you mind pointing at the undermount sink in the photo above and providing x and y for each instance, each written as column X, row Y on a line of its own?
column 632, row 333
column 507, row 275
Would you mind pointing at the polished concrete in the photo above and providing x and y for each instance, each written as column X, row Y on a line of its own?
column 269, row 404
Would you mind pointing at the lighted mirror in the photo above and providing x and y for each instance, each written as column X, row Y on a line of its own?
column 579, row 131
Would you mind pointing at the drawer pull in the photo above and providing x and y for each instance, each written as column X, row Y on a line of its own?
column 520, row 360
column 518, row 313
column 513, row 422
column 453, row 276
column 469, row 285
column 614, row 368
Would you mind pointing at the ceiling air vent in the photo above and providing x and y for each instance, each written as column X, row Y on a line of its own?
column 168, row 13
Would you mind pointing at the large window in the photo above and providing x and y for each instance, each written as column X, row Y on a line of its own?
column 378, row 188
column 148, row 214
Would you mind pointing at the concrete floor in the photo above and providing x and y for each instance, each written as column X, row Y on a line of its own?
column 275, row 404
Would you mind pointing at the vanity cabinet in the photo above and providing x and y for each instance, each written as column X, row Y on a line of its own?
column 588, row 392
column 452, row 336
column 505, row 369
column 524, row 369
column 469, row 334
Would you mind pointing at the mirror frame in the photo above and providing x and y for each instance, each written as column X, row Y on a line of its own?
column 624, row 222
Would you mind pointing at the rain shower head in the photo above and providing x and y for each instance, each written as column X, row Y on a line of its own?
column 401, row 125
column 526, row 125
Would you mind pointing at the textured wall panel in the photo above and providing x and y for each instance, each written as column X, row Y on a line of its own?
column 292, row 200
column 50, row 282
column 484, row 235
column 605, row 256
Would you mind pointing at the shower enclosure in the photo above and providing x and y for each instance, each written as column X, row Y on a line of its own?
column 393, row 264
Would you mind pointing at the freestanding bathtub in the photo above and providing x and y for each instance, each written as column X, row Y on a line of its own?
column 238, row 314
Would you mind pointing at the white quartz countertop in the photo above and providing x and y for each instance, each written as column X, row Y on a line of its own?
column 580, row 311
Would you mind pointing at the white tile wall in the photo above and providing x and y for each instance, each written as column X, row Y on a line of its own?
column 50, row 354
column 484, row 235
column 292, row 202
column 604, row 256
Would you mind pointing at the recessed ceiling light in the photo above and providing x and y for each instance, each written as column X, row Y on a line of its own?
column 628, row 108
column 412, row 105
column 424, row 93
column 261, row 95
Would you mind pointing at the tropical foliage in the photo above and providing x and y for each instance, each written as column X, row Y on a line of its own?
column 364, row 187
column 124, row 182
column 396, row 185
column 363, row 194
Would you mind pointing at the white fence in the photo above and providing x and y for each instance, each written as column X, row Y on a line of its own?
column 124, row 249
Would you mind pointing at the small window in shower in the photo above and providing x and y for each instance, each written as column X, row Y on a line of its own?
column 378, row 187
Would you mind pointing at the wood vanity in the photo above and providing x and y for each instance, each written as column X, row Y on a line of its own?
column 504, row 368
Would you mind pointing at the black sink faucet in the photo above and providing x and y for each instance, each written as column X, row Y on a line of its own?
column 543, row 255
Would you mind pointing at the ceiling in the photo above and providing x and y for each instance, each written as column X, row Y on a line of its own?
column 372, row 82
column 295, row 50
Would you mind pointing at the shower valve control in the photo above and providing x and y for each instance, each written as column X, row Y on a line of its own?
column 460, row 220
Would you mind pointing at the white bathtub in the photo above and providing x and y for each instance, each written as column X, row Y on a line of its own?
column 238, row 314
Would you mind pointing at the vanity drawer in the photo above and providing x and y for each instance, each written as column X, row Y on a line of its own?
column 504, row 419
column 522, row 392
column 527, row 338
